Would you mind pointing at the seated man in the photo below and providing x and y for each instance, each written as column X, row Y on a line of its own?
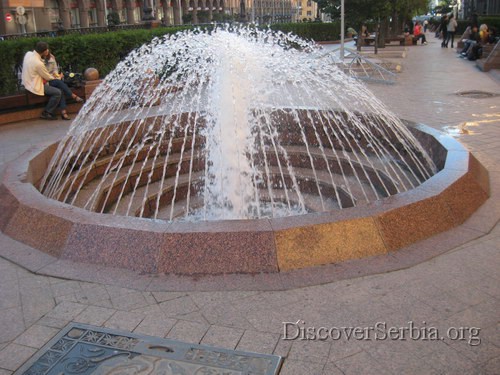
column 418, row 34
column 471, row 45
column 35, row 79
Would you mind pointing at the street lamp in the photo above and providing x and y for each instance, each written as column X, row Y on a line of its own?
column 342, row 30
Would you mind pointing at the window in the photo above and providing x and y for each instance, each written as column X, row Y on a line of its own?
column 309, row 13
column 53, row 11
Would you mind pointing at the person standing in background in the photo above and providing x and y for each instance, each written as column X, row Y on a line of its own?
column 450, row 31
column 444, row 29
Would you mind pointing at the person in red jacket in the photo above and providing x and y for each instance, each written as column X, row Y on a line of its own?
column 418, row 34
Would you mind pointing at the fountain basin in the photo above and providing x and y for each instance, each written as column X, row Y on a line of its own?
column 243, row 246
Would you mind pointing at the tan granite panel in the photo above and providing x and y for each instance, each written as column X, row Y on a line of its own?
column 38, row 229
column 414, row 222
column 464, row 197
column 327, row 243
column 479, row 173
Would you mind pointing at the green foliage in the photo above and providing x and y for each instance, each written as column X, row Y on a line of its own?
column 358, row 12
column 311, row 30
column 76, row 52
column 113, row 19
column 187, row 18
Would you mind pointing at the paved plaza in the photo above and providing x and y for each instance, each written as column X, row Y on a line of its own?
column 445, row 310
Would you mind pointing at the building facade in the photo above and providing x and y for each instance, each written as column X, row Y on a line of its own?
column 307, row 10
column 29, row 16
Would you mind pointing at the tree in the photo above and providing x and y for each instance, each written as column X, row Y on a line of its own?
column 113, row 19
column 394, row 13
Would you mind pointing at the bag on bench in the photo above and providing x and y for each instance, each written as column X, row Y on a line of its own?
column 475, row 52
column 73, row 79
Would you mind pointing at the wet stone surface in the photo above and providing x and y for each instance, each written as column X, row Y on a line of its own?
column 477, row 94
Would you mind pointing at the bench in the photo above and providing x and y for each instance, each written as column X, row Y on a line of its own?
column 26, row 99
column 490, row 59
column 25, row 105
column 398, row 38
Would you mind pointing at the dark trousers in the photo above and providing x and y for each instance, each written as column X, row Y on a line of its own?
column 450, row 35
column 57, row 83
column 445, row 36
column 421, row 36
column 54, row 95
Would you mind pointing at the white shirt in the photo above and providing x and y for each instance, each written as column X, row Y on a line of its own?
column 34, row 72
column 452, row 25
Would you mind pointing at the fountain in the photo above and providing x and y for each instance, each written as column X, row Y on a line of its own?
column 240, row 150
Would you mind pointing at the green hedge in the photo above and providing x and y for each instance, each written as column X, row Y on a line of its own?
column 311, row 30
column 103, row 51
column 77, row 52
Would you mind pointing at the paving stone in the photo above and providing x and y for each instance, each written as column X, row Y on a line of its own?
column 446, row 304
column 51, row 322
column 166, row 296
column 5, row 372
column 181, row 305
column 224, row 337
column 293, row 367
column 190, row 332
column 11, row 324
column 226, row 315
column 36, row 336
column 66, row 310
column 361, row 363
column 342, row 348
column 258, row 342
column 283, row 348
column 129, row 301
column 13, row 356
column 124, row 320
column 116, row 291
column 155, row 325
column 448, row 360
column 481, row 353
column 94, row 315
column 331, row 369
column 195, row 316
column 491, row 367
column 65, row 288
column 310, row 351
column 9, row 294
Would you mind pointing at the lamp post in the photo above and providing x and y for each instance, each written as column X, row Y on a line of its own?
column 342, row 30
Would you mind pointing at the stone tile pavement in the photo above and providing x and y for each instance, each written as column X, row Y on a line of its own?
column 452, row 294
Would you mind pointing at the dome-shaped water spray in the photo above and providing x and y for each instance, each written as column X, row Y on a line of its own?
column 232, row 124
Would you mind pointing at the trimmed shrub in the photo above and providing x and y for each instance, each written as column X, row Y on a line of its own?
column 75, row 52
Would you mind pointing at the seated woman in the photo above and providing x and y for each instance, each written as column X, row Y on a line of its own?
column 51, row 64
column 418, row 33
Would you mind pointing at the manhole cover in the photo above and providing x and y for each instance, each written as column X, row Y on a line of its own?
column 476, row 94
column 83, row 349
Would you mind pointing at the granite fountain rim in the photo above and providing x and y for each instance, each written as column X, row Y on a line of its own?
column 456, row 166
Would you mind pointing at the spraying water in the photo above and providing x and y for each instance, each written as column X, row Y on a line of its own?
column 232, row 124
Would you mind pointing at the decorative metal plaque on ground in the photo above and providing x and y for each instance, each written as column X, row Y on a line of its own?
column 84, row 349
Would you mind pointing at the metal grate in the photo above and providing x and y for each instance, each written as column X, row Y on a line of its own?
column 84, row 349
